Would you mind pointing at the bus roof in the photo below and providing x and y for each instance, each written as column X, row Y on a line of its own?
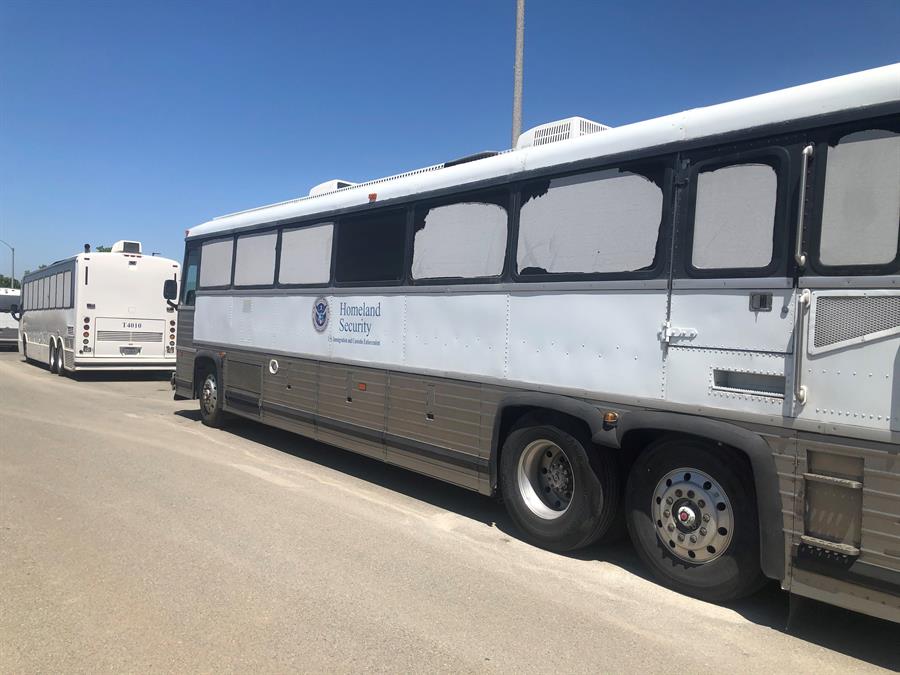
column 858, row 90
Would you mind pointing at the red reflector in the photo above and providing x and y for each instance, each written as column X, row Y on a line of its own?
column 373, row 196
column 361, row 386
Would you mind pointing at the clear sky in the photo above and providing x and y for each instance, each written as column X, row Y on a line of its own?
column 135, row 120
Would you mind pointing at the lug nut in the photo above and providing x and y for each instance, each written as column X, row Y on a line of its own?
column 671, row 527
column 670, row 501
column 693, row 539
column 680, row 537
column 666, row 513
column 705, row 517
column 702, row 531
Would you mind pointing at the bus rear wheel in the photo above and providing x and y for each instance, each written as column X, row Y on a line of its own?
column 691, row 513
column 60, row 360
column 54, row 357
column 211, row 412
column 558, row 489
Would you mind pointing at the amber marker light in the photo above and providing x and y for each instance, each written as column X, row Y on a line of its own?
column 610, row 418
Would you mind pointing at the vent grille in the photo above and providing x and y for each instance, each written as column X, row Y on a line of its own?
column 552, row 133
column 844, row 318
column 128, row 336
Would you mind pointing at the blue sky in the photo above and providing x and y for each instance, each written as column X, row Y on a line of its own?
column 138, row 119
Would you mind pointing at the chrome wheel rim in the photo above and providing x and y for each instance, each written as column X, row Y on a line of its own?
column 209, row 396
column 545, row 479
column 693, row 515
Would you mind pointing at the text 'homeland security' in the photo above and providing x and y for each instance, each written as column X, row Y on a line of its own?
column 362, row 311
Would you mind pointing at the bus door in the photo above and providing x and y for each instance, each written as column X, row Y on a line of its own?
column 184, row 363
column 847, row 370
column 731, row 316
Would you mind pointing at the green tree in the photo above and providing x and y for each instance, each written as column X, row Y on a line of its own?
column 103, row 249
column 5, row 282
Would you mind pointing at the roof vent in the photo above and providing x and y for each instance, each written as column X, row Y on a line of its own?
column 561, row 130
column 329, row 186
column 126, row 247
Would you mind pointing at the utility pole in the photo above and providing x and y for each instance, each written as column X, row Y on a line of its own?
column 517, row 72
column 12, row 281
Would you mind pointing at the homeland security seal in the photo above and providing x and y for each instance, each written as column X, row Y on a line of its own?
column 320, row 314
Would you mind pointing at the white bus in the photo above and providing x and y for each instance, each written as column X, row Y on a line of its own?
column 691, row 323
column 100, row 311
column 9, row 327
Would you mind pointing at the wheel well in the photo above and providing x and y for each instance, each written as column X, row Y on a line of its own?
column 636, row 441
column 515, row 415
column 202, row 365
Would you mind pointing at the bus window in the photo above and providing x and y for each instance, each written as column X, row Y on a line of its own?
column 734, row 217
column 862, row 200
column 465, row 240
column 60, row 288
column 254, row 264
column 216, row 269
column 67, row 289
column 600, row 222
column 189, row 278
column 371, row 248
column 306, row 255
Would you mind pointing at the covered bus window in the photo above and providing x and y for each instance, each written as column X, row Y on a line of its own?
column 216, row 267
column 734, row 217
column 306, row 255
column 595, row 223
column 466, row 240
column 861, row 204
column 255, row 261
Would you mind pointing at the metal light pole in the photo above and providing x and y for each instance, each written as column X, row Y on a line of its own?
column 13, row 278
column 517, row 72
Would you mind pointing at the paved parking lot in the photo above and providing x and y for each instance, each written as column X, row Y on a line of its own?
column 133, row 538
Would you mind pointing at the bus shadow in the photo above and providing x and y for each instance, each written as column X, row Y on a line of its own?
column 856, row 635
column 121, row 376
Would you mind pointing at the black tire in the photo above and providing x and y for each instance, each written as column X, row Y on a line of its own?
column 210, row 395
column 729, row 573
column 53, row 357
column 61, row 360
column 593, row 498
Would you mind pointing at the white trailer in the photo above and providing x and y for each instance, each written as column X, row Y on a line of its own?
column 100, row 311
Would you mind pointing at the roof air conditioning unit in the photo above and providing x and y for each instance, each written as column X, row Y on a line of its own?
column 126, row 247
column 561, row 130
column 329, row 186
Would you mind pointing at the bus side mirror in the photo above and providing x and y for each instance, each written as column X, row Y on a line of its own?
column 170, row 289
column 14, row 312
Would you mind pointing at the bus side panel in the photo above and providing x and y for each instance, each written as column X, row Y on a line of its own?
column 443, row 419
column 847, row 511
column 184, row 353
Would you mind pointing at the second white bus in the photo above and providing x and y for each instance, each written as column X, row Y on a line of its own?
column 100, row 311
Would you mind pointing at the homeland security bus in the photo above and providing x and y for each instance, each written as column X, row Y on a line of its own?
column 100, row 311
column 690, row 323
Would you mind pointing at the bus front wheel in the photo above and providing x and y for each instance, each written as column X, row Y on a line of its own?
column 560, row 491
column 691, row 513
column 211, row 412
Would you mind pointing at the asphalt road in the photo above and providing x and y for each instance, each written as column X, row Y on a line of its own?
column 133, row 538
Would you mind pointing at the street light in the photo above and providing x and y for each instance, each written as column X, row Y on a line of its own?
column 517, row 72
column 12, row 282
